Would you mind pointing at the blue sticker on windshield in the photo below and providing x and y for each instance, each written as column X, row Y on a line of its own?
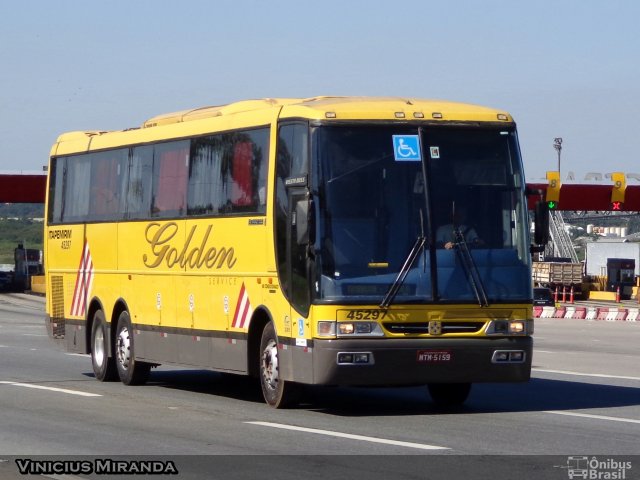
column 406, row 148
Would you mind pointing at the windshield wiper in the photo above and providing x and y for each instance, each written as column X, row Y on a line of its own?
column 470, row 268
column 418, row 246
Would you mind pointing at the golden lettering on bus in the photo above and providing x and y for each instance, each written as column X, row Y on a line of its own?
column 159, row 237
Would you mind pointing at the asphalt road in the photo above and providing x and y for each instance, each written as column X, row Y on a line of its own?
column 584, row 399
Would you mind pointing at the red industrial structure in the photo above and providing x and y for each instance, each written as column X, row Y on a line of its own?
column 589, row 197
column 19, row 188
column 30, row 188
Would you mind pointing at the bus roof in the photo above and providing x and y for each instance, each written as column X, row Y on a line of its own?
column 212, row 118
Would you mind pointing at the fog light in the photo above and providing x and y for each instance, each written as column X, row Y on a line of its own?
column 345, row 358
column 508, row 356
column 517, row 356
column 501, row 356
column 361, row 358
column 355, row 358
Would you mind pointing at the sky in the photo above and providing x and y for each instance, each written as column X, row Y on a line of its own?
column 567, row 69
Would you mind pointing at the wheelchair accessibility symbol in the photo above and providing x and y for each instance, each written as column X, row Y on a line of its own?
column 406, row 148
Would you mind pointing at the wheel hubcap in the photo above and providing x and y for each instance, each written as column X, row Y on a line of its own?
column 123, row 348
column 270, row 365
column 98, row 347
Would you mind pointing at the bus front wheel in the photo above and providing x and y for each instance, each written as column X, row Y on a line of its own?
column 131, row 371
column 277, row 392
column 104, row 366
column 449, row 394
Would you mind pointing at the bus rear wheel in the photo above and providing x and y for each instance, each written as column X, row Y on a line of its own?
column 278, row 393
column 130, row 371
column 449, row 394
column 104, row 366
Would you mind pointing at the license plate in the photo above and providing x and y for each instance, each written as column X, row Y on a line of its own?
column 434, row 356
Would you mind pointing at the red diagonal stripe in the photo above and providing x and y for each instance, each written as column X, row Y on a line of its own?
column 237, row 312
column 78, row 281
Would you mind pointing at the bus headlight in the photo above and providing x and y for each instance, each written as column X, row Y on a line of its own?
column 516, row 327
column 510, row 327
column 358, row 329
column 328, row 329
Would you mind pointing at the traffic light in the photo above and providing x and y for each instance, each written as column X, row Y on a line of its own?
column 552, row 196
column 618, row 190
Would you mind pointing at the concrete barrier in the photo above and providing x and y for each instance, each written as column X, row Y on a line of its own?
column 580, row 313
column 559, row 312
column 612, row 314
column 609, row 314
column 633, row 314
column 548, row 312
column 622, row 314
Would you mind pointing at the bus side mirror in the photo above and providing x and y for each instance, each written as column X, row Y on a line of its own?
column 305, row 226
column 541, row 223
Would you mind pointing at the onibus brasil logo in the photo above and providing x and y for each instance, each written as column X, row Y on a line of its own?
column 596, row 468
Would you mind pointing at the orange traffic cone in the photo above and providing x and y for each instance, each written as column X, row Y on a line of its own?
column 571, row 296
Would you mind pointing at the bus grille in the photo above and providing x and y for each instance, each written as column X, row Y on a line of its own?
column 421, row 328
column 57, row 306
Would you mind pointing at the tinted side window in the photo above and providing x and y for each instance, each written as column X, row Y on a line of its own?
column 220, row 174
column 77, row 189
column 108, row 186
column 228, row 173
column 56, row 189
column 170, row 166
column 138, row 203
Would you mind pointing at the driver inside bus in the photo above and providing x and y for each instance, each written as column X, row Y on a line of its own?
column 445, row 235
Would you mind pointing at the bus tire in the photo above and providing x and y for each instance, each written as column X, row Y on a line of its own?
column 278, row 393
column 449, row 394
column 130, row 371
column 104, row 366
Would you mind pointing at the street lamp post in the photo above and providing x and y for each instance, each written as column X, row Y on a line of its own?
column 557, row 144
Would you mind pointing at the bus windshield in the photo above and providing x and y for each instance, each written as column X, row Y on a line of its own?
column 374, row 205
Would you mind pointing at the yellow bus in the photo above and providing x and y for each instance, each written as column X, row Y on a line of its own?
column 328, row 241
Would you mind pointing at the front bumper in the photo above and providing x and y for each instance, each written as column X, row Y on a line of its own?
column 397, row 362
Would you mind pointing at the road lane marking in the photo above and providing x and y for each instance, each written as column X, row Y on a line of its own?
column 350, row 436
column 51, row 389
column 579, row 374
column 78, row 354
column 542, row 351
column 595, row 417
